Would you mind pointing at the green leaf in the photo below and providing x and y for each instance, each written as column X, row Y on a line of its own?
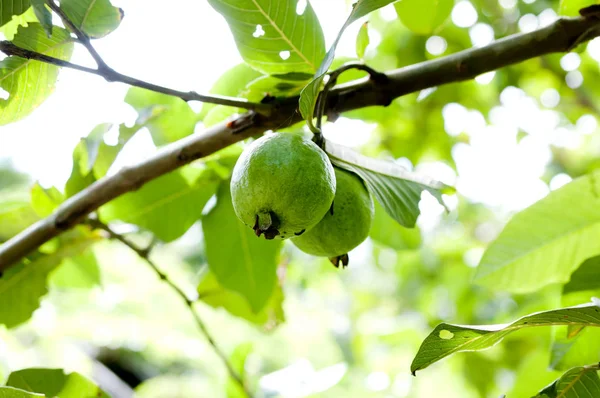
column 543, row 244
column 10, row 28
column 86, row 154
column 29, row 82
column 108, row 153
column 271, row 37
column 96, row 18
column 387, row 231
column 168, row 118
column 16, row 214
column 571, row 8
column 581, row 349
column 8, row 8
column 168, row 206
column 23, row 285
column 217, row 296
column 42, row 13
column 396, row 189
column 10, row 392
column 447, row 339
column 55, row 383
column 579, row 382
column 232, row 83
column 77, row 272
column 44, row 201
column 423, row 23
column 309, row 94
column 362, row 40
column 586, row 277
column 257, row 89
column 238, row 363
column 240, row 261
column 92, row 157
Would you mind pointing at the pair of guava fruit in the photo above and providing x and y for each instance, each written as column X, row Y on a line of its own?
column 284, row 186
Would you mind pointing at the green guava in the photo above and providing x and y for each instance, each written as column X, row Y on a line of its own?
column 346, row 226
column 282, row 185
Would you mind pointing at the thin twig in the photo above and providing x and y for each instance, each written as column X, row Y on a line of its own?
column 145, row 254
column 559, row 36
column 111, row 75
column 375, row 76
column 83, row 37
column 10, row 49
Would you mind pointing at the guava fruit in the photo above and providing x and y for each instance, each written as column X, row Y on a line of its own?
column 343, row 228
column 282, row 185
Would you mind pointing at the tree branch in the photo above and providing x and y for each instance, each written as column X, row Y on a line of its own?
column 560, row 36
column 144, row 254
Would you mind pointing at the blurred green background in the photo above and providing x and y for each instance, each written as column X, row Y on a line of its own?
column 504, row 140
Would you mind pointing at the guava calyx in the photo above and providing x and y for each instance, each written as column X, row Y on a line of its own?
column 344, row 259
column 266, row 223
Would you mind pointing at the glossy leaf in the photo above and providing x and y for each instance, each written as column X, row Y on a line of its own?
column 240, row 261
column 570, row 351
column 527, row 256
column 167, row 206
column 92, row 157
column 586, row 277
column 271, row 37
column 396, row 189
column 387, row 231
column 423, row 23
column 571, row 8
column 579, row 382
column 80, row 271
column 8, row 8
column 308, row 97
column 10, row 392
column 447, row 339
column 9, row 29
column 96, row 18
column 168, row 118
column 108, row 153
column 362, row 40
column 232, row 83
column 43, row 15
column 217, row 296
column 16, row 214
column 23, row 285
column 44, row 201
column 238, row 362
column 55, row 383
column 29, row 82
column 85, row 155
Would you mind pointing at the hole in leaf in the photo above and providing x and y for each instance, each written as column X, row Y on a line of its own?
column 259, row 32
column 300, row 7
column 4, row 94
column 446, row 334
column 111, row 137
column 284, row 55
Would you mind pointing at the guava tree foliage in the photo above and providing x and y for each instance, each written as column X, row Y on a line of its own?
column 117, row 258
